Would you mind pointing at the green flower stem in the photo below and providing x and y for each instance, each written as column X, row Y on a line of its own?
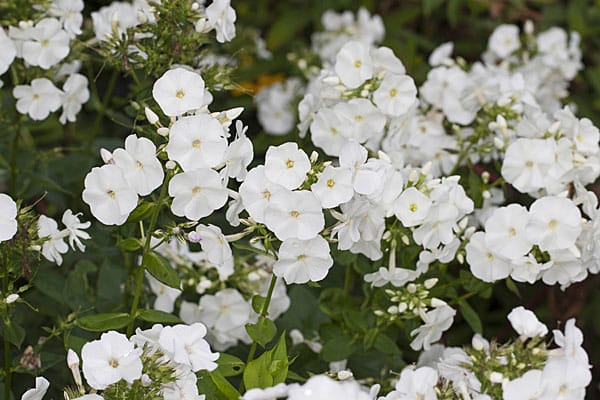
column 139, row 277
column 263, row 313
column 7, row 367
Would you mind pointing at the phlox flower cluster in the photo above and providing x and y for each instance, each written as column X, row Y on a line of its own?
column 46, row 44
column 163, row 360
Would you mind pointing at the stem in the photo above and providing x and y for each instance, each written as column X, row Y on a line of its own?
column 7, row 368
column 263, row 314
column 139, row 277
column 107, row 96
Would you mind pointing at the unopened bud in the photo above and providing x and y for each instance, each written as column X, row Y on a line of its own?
column 343, row 375
column 171, row 164
column 485, row 176
column 151, row 116
column 11, row 298
column 435, row 302
column 499, row 143
column 164, row 132
column 146, row 381
column 314, row 156
column 106, row 156
column 296, row 337
column 528, row 28
column 554, row 128
column 496, row 377
column 431, row 282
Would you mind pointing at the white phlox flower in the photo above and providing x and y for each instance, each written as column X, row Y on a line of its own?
column 197, row 193
column 333, row 187
column 185, row 344
column 286, row 165
column 436, row 322
column 69, row 12
column 54, row 246
column 179, row 91
column 353, row 64
column 294, row 215
column 504, row 40
column 37, row 393
column 301, row 261
column 39, row 99
column 197, row 141
column 75, row 229
column 525, row 323
column 555, row 223
column 257, row 191
column 141, row 168
column 419, row 383
column 108, row 360
column 221, row 16
column 48, row 45
column 165, row 295
column 505, row 231
column 321, row 387
column 395, row 95
column 484, row 263
column 216, row 249
column 110, row 197
column 9, row 51
column 8, row 217
column 75, row 94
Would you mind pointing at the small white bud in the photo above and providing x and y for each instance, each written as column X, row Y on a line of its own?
column 392, row 310
column 402, row 307
column 486, row 194
column 314, row 156
column 151, row 116
column 106, row 156
column 405, row 239
column 411, row 288
column 426, row 168
column 171, row 164
column 343, row 375
column 146, row 381
column 11, row 298
column 499, row 143
column 496, row 377
column 315, row 346
column 485, row 176
column 296, row 337
column 195, row 6
column 72, row 359
column 431, row 282
column 302, row 63
column 554, row 128
column 331, row 80
column 164, row 132
column 528, row 28
column 364, row 93
column 435, row 302
column 460, row 258
column 413, row 176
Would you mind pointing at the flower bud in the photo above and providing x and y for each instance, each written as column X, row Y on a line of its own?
column 151, row 116
column 164, row 132
column 343, row 375
column 11, row 298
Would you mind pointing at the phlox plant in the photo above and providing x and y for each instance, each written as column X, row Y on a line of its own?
column 352, row 250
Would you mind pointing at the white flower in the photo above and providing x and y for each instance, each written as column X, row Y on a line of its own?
column 320, row 387
column 8, row 53
column 37, row 393
column 270, row 393
column 436, row 322
column 326, row 133
column 565, row 380
column 196, row 142
column 74, row 228
column 185, row 345
column 69, row 13
column 395, row 94
column 527, row 170
column 140, row 166
column 221, row 16
column 360, row 120
column 505, row 231
column 216, row 248
column 528, row 386
column 108, row 194
column 178, row 91
column 570, row 343
column 555, row 223
column 110, row 359
column 301, row 261
column 8, row 217
column 504, row 40
column 38, row 99
column 55, row 245
column 239, row 154
column 196, row 194
column 286, row 165
column 411, row 207
column 353, row 64
column 49, row 44
column 256, row 192
column 89, row 397
column 334, row 186
column 485, row 264
column 525, row 323
column 225, row 314
column 416, row 384
column 294, row 215
column 165, row 295
column 184, row 388
column 75, row 93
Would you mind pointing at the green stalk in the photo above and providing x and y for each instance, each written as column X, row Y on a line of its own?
column 139, row 277
column 263, row 313
column 7, row 368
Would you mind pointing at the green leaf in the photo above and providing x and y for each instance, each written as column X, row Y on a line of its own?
column 141, row 212
column 258, row 302
column 77, row 292
column 161, row 269
column 159, row 317
column 285, row 28
column 337, row 348
column 104, row 322
column 215, row 387
column 129, row 244
column 229, row 365
column 269, row 369
column 263, row 331
column 470, row 316
column 13, row 332
column 386, row 345
column 510, row 285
